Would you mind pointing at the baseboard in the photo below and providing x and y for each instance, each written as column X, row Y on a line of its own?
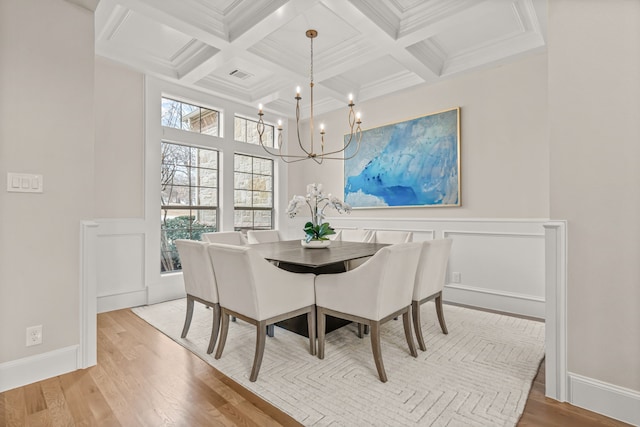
column 525, row 305
column 607, row 399
column 27, row 370
column 123, row 300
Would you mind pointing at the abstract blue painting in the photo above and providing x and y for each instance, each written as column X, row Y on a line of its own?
column 412, row 163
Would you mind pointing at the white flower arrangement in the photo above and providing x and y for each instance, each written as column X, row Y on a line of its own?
column 318, row 202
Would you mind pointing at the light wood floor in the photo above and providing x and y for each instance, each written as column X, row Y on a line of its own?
column 143, row 378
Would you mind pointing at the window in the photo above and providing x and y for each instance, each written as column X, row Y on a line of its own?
column 189, row 198
column 253, row 193
column 193, row 118
column 246, row 130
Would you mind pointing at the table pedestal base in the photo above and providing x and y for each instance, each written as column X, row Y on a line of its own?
column 299, row 324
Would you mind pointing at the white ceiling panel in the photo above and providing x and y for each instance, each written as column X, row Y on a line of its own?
column 366, row 47
column 146, row 35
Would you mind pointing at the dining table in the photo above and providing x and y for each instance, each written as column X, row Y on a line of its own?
column 292, row 256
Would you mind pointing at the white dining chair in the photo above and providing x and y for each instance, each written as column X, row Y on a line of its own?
column 347, row 235
column 389, row 237
column 392, row 236
column 371, row 295
column 253, row 290
column 199, row 284
column 226, row 237
column 263, row 236
column 429, row 282
column 363, row 236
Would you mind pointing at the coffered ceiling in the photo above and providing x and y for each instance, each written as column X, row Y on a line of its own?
column 256, row 51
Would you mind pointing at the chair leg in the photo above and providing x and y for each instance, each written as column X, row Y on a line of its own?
column 214, row 328
column 321, row 331
column 271, row 330
column 224, row 329
column 441, row 314
column 311, row 321
column 377, row 350
column 415, row 314
column 187, row 319
column 261, row 338
column 407, row 333
column 360, row 328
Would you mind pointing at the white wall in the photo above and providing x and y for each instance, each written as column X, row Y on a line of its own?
column 594, row 106
column 119, row 150
column 504, row 149
column 47, row 127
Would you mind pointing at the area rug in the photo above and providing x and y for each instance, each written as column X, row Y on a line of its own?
column 479, row 374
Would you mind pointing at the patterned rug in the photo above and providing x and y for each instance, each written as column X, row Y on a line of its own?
column 479, row 374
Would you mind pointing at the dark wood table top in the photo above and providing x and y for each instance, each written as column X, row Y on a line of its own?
column 292, row 252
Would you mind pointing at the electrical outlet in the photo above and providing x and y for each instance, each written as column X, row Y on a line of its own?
column 456, row 277
column 34, row 335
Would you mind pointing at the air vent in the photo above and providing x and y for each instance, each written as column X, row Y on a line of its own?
column 242, row 75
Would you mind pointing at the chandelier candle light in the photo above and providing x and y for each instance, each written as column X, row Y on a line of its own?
column 309, row 152
column 317, row 201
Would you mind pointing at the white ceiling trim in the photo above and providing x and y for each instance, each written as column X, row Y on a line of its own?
column 377, row 47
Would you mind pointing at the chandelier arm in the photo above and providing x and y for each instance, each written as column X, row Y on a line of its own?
column 260, row 128
column 358, row 139
column 284, row 157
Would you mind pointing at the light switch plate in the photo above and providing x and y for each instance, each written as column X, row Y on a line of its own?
column 24, row 183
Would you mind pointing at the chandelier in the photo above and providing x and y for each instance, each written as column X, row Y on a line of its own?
column 309, row 150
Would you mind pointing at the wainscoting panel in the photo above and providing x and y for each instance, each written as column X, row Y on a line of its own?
column 120, row 252
column 121, row 269
column 503, row 262
column 499, row 263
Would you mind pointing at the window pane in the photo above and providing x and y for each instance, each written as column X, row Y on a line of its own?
column 175, row 154
column 262, row 166
column 209, row 122
column 262, row 183
column 242, row 163
column 240, row 129
column 208, row 219
column 208, row 159
column 262, row 220
column 177, row 195
column 242, row 181
column 243, row 220
column 206, row 178
column 267, row 137
column 242, row 198
column 252, row 133
column 205, row 196
column 180, row 175
column 170, row 113
column 262, row 199
column 190, row 117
